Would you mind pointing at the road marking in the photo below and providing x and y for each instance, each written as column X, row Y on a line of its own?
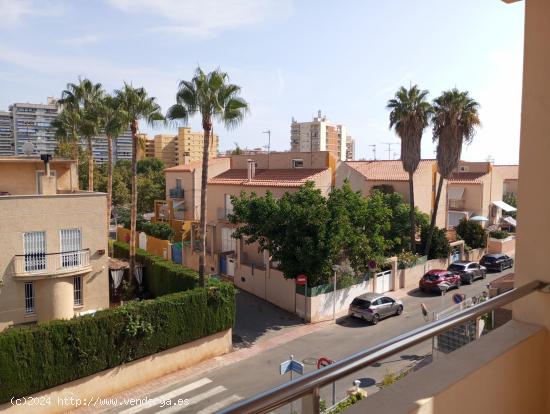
column 168, row 396
column 221, row 404
column 193, row 400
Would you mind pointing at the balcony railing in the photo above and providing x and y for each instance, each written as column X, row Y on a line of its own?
column 308, row 386
column 40, row 264
column 176, row 192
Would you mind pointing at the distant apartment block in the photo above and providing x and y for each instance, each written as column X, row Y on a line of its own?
column 350, row 148
column 7, row 144
column 166, row 149
column 319, row 135
column 53, row 244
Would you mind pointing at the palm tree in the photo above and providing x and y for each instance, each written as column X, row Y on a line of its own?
column 134, row 105
column 454, row 121
column 214, row 98
column 66, row 125
column 113, row 124
column 80, row 99
column 409, row 116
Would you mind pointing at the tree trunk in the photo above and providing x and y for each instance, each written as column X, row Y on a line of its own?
column 90, row 165
column 133, row 208
column 434, row 216
column 109, row 180
column 412, row 216
column 207, row 126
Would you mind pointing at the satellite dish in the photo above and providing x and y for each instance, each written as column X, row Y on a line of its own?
column 28, row 148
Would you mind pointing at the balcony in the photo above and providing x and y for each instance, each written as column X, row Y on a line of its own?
column 176, row 192
column 45, row 265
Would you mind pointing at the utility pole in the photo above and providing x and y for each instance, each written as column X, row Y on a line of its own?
column 268, row 132
column 373, row 151
column 389, row 144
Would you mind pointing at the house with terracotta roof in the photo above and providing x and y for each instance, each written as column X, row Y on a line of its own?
column 364, row 176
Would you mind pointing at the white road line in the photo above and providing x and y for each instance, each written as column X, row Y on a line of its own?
column 193, row 400
column 221, row 404
column 168, row 396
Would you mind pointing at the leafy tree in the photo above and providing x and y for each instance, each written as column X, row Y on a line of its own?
column 150, row 165
column 510, row 198
column 238, row 150
column 454, row 121
column 214, row 98
column 439, row 247
column 409, row 116
column 150, row 188
column 472, row 233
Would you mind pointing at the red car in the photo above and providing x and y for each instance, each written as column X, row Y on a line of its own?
column 439, row 280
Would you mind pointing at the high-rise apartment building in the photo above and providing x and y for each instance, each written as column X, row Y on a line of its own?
column 350, row 148
column 6, row 134
column 318, row 135
column 190, row 145
column 166, row 149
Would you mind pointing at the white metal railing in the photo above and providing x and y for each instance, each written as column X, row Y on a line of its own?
column 51, row 263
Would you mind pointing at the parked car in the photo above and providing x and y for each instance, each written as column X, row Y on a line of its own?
column 468, row 271
column 439, row 280
column 497, row 261
column 374, row 306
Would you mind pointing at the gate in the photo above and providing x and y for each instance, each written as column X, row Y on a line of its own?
column 455, row 254
column 383, row 281
column 176, row 253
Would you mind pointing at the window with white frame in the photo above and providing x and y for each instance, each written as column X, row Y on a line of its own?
column 29, row 298
column 298, row 163
column 228, row 205
column 34, row 249
column 77, row 289
column 71, row 246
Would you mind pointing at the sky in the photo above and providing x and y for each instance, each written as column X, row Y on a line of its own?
column 290, row 57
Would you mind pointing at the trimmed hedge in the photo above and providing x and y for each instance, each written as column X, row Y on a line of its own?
column 161, row 276
column 499, row 234
column 46, row 355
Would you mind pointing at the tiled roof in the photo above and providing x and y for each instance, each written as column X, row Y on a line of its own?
column 268, row 178
column 197, row 164
column 387, row 170
column 467, row 177
column 507, row 172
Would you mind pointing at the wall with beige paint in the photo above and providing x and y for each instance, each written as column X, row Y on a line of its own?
column 506, row 246
column 282, row 160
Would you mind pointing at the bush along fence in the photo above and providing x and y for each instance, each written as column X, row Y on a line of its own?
column 342, row 282
column 46, row 355
column 161, row 276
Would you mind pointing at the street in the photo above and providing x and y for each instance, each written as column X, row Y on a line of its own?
column 223, row 385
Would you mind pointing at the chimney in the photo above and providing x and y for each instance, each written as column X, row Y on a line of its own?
column 251, row 169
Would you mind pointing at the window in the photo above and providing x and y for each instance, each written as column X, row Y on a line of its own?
column 228, row 205
column 34, row 245
column 29, row 298
column 178, row 182
column 77, row 290
column 70, row 247
column 298, row 163
column 387, row 301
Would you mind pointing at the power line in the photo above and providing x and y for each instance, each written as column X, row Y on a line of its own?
column 389, row 144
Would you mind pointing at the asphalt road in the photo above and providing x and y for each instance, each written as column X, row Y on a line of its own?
column 219, row 388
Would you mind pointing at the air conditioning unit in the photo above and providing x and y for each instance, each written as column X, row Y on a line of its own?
column 463, row 168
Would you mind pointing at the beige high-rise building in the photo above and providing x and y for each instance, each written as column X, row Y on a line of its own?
column 318, row 135
column 166, row 149
column 190, row 145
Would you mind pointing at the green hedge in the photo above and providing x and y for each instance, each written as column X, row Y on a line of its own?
column 499, row 234
column 161, row 276
column 43, row 356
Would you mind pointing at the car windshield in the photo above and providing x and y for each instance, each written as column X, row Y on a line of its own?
column 490, row 259
column 456, row 267
column 431, row 277
column 362, row 303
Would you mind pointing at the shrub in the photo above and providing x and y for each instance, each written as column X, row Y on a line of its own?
column 472, row 233
column 159, row 230
column 407, row 259
column 439, row 248
column 43, row 356
column 161, row 276
column 499, row 234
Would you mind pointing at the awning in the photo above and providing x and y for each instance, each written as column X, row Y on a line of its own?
column 510, row 220
column 455, row 193
column 506, row 207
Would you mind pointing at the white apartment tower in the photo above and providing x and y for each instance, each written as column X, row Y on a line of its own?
column 318, row 135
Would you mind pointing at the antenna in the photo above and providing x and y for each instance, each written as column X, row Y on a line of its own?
column 389, row 144
column 373, row 151
column 268, row 132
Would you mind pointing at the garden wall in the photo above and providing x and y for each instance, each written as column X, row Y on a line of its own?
column 506, row 246
column 152, row 245
column 474, row 255
column 408, row 278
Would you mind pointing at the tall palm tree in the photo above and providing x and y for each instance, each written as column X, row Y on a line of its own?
column 113, row 124
column 134, row 105
column 455, row 118
column 214, row 98
column 409, row 116
column 80, row 99
column 67, row 125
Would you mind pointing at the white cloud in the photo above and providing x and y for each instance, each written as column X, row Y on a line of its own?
column 82, row 40
column 205, row 18
column 15, row 11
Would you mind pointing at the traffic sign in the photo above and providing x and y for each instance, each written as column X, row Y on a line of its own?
column 301, row 280
column 323, row 362
column 292, row 365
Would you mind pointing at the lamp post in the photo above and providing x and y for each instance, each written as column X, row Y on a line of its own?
column 335, row 268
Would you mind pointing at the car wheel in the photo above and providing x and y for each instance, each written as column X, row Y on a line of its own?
column 399, row 310
column 375, row 319
column 483, row 275
column 471, row 279
column 501, row 268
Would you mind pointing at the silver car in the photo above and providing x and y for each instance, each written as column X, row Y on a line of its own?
column 374, row 306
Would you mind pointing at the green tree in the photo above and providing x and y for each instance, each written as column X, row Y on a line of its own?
column 150, row 165
column 66, row 126
column 439, row 247
column 510, row 198
column 135, row 105
column 472, row 233
column 238, row 150
column 409, row 116
column 454, row 122
column 150, row 188
column 214, row 98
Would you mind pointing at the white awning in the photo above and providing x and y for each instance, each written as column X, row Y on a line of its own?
column 506, row 207
column 455, row 193
column 510, row 220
